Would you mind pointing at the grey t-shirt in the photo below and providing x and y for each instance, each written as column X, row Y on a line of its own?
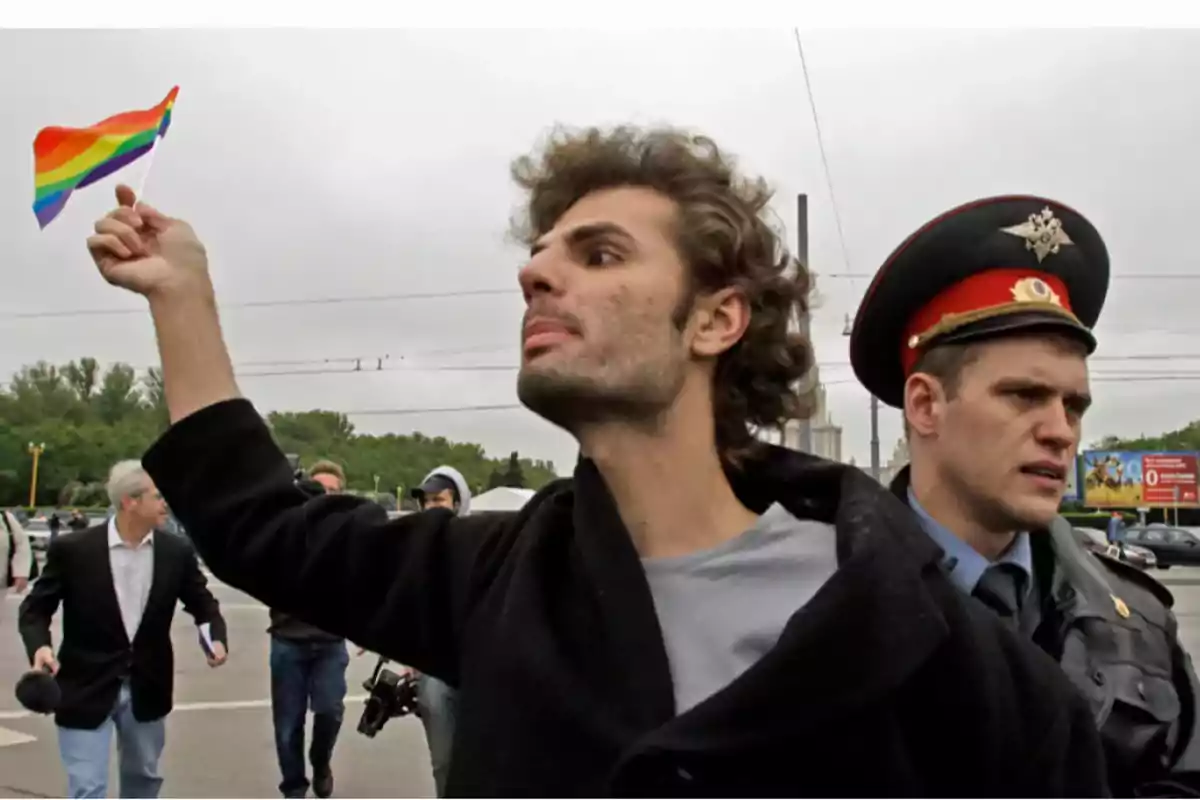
column 722, row 609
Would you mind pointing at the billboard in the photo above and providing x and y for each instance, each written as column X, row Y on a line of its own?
column 1129, row 479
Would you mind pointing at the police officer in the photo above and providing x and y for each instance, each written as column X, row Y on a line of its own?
column 978, row 326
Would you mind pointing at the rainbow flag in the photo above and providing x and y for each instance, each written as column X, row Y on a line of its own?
column 66, row 159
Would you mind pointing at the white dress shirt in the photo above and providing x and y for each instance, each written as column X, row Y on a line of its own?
column 132, row 574
column 22, row 558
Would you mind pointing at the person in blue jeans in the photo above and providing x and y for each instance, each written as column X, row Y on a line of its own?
column 117, row 585
column 85, row 753
column 444, row 487
column 308, row 670
column 304, row 674
column 1116, row 528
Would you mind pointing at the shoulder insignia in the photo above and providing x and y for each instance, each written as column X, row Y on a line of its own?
column 1130, row 573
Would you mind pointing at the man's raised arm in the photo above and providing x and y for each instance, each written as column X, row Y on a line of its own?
column 398, row 588
column 140, row 249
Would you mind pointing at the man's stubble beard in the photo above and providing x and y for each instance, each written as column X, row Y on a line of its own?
column 991, row 512
column 638, row 395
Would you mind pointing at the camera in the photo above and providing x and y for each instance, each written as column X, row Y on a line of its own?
column 299, row 475
column 302, row 479
column 389, row 694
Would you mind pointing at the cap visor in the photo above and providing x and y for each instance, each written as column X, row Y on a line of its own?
column 1032, row 322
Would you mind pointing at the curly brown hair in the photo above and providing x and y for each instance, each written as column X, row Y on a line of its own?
column 724, row 238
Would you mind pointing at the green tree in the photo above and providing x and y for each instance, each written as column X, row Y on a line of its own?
column 39, row 392
column 89, row 418
column 495, row 479
column 514, row 476
column 83, row 377
column 156, row 398
column 1186, row 438
column 119, row 398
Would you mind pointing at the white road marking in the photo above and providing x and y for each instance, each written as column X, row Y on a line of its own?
column 218, row 705
column 16, row 598
column 9, row 737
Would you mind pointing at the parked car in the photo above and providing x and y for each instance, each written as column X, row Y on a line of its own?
column 1132, row 554
column 39, row 533
column 1172, row 546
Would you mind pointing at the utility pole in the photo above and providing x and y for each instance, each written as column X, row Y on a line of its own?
column 36, row 451
column 875, row 468
column 804, row 320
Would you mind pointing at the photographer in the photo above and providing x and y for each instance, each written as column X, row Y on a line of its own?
column 308, row 669
column 444, row 487
column 397, row 694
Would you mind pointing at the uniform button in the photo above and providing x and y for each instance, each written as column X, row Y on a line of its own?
column 1098, row 677
column 683, row 773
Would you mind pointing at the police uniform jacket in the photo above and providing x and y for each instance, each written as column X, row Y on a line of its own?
column 1020, row 265
column 1111, row 628
column 887, row 683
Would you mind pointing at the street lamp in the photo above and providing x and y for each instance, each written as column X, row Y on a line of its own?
column 36, row 451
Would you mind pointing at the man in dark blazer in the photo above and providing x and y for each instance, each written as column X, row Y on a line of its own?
column 118, row 584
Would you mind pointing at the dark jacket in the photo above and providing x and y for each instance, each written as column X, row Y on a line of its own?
column 1111, row 629
column 286, row 626
column 887, row 683
column 95, row 653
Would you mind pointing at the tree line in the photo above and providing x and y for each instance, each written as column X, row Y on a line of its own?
column 88, row 417
column 1185, row 439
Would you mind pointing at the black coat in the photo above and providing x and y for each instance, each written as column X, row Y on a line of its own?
column 887, row 683
column 95, row 653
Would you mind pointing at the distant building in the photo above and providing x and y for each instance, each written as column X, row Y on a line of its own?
column 826, row 437
column 897, row 462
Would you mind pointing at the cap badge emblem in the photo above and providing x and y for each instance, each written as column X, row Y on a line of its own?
column 1043, row 234
column 1034, row 290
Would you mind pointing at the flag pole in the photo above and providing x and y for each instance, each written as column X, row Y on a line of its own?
column 141, row 187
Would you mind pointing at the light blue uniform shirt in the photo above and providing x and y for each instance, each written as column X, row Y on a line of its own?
column 964, row 566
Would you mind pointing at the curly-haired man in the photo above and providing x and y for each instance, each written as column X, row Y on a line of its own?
column 693, row 612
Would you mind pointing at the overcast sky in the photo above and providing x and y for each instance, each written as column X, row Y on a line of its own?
column 342, row 164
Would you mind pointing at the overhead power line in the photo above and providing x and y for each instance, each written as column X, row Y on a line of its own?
column 309, row 301
column 812, row 105
column 509, row 407
column 398, row 412
column 1091, row 359
column 388, row 359
column 422, row 296
column 1157, row 276
column 363, row 365
column 406, row 362
column 298, row 362
column 377, row 369
column 374, row 367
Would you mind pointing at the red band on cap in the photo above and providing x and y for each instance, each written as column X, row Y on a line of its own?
column 993, row 289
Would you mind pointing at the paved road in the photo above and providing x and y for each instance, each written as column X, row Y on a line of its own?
column 219, row 740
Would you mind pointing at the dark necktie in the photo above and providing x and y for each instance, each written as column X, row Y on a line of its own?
column 1001, row 588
